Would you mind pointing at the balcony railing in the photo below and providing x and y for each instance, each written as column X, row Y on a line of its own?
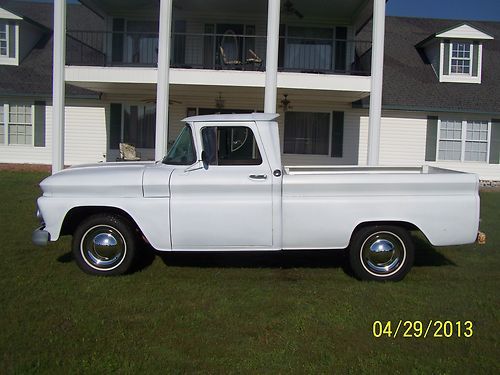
column 219, row 51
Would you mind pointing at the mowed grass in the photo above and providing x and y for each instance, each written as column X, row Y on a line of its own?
column 241, row 313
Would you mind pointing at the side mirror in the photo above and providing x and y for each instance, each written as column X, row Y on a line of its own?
column 204, row 159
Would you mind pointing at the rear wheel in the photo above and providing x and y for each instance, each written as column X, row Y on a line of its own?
column 381, row 253
column 104, row 245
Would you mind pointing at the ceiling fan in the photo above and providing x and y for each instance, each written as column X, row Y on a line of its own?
column 289, row 8
column 285, row 103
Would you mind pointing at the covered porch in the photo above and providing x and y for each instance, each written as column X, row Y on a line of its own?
column 314, row 36
column 277, row 85
column 317, row 127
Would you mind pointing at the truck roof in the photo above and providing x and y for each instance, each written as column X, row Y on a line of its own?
column 233, row 117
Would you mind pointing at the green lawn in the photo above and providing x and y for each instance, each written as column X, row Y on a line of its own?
column 266, row 313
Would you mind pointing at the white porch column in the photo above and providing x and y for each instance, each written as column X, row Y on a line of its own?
column 162, row 85
column 273, row 32
column 376, row 81
column 58, row 89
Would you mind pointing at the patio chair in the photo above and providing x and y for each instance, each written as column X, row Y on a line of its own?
column 128, row 153
column 229, row 50
column 253, row 59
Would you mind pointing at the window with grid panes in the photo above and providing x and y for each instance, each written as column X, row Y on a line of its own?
column 460, row 58
column 4, row 39
column 463, row 140
column 20, row 125
column 476, row 141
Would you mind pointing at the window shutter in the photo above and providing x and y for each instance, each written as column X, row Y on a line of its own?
column 115, row 125
column 495, row 142
column 12, row 39
column 446, row 59
column 337, row 134
column 475, row 59
column 117, row 48
column 431, row 138
column 39, row 124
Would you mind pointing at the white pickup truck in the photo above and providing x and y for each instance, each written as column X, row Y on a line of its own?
column 222, row 187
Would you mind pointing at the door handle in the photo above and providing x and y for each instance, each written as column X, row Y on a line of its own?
column 258, row 176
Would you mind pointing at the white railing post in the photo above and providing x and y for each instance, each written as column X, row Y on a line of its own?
column 377, row 75
column 162, row 87
column 58, row 89
column 273, row 31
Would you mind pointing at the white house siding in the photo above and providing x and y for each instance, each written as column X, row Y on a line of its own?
column 363, row 135
column 403, row 142
column 402, row 138
column 85, row 138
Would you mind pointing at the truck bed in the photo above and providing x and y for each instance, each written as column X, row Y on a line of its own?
column 328, row 202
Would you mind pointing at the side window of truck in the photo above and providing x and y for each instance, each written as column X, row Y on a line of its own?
column 230, row 145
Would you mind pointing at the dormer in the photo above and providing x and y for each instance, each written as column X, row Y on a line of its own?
column 9, row 38
column 456, row 54
column 18, row 36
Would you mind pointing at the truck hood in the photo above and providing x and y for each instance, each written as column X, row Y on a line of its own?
column 124, row 179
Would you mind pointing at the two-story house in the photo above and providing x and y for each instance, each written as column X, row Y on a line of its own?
column 438, row 75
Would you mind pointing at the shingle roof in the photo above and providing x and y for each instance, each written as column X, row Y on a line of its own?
column 410, row 82
column 33, row 76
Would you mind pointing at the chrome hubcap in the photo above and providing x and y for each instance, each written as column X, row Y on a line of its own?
column 383, row 253
column 103, row 247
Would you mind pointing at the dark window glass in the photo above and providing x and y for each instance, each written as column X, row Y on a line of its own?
column 139, row 125
column 183, row 151
column 307, row 133
column 230, row 145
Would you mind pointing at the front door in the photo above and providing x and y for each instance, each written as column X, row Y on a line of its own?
column 228, row 205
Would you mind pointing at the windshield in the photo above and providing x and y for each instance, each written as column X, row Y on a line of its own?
column 182, row 152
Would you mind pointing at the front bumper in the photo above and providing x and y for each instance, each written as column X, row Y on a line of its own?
column 40, row 237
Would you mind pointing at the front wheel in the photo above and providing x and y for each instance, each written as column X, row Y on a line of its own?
column 104, row 245
column 381, row 253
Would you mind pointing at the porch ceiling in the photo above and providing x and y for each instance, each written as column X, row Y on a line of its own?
column 192, row 93
column 338, row 9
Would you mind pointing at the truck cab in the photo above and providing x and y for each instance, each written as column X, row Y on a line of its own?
column 231, row 183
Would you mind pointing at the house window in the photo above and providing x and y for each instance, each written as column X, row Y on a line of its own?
column 4, row 39
column 141, row 42
column 307, row 133
column 20, row 125
column 476, row 141
column 314, row 49
column 8, row 43
column 463, row 140
column 461, row 58
column 139, row 125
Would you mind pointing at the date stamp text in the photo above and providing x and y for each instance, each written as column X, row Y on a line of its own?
column 423, row 329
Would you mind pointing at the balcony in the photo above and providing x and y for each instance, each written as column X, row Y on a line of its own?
column 232, row 47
